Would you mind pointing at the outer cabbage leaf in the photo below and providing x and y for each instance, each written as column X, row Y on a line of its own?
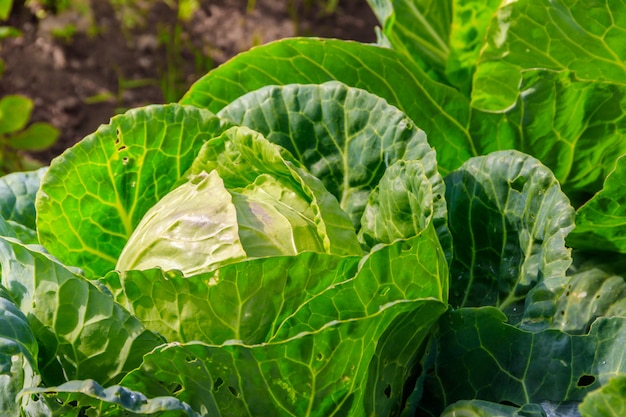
column 95, row 194
column 345, row 136
column 509, row 219
column 441, row 111
column 84, row 332
column 18, row 357
column 601, row 222
column 221, row 305
column 470, row 22
column 595, row 287
column 315, row 374
column 445, row 37
column 418, row 28
column 17, row 203
column 240, row 301
column 607, row 401
column 586, row 37
column 591, row 293
column 408, row 269
column 80, row 398
column 348, row 349
column 576, row 128
column 481, row 357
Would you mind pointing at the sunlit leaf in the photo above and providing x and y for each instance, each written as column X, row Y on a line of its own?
column 442, row 112
column 601, row 222
column 94, row 195
column 584, row 36
column 85, row 333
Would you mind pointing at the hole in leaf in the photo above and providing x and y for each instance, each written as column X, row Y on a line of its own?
column 190, row 359
column 518, row 184
column 121, row 148
column 125, row 160
column 85, row 411
column 177, row 388
column 217, row 384
column 562, row 312
column 387, row 391
column 233, row 392
column 586, row 380
column 319, row 356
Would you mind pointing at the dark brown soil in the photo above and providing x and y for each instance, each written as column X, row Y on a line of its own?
column 79, row 81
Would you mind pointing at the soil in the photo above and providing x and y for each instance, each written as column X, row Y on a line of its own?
column 81, row 69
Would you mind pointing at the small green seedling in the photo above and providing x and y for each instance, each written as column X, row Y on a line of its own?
column 18, row 137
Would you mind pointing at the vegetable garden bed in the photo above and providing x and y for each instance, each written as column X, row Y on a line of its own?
column 429, row 226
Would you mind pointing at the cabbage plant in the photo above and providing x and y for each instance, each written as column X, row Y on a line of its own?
column 428, row 226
